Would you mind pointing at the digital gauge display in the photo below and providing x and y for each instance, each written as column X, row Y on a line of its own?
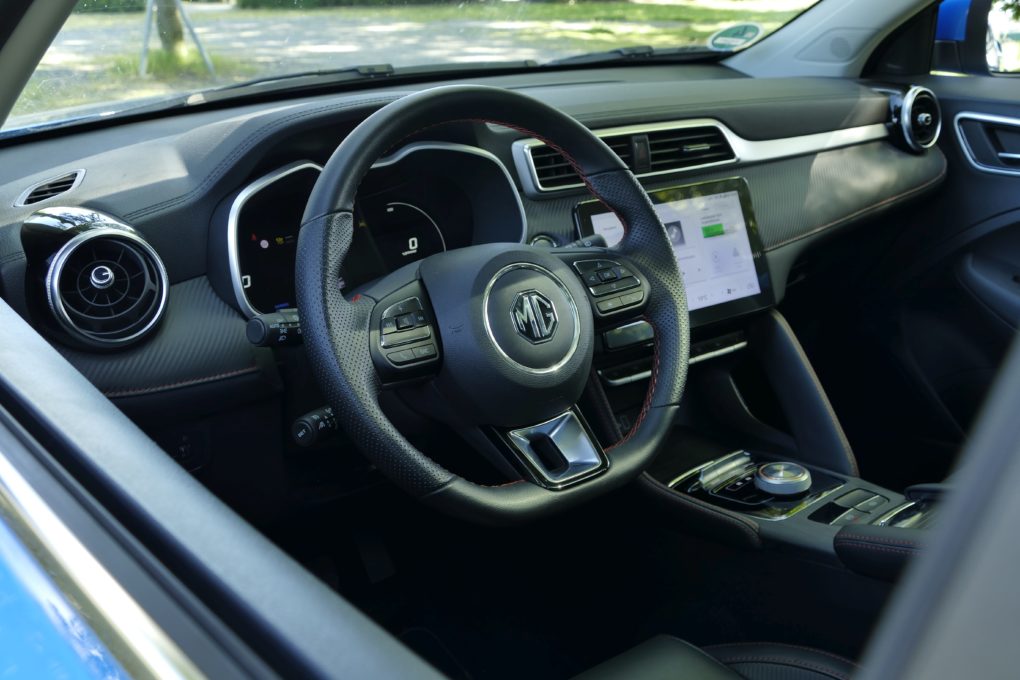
column 402, row 233
column 266, row 219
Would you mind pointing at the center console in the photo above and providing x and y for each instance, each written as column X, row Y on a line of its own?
column 758, row 456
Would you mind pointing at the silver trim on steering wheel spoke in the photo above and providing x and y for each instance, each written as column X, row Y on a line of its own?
column 563, row 441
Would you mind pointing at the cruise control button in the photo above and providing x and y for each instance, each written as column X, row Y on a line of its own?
column 614, row 286
column 405, row 321
column 403, row 307
column 607, row 275
column 404, row 337
column 404, row 356
column 425, row 351
column 632, row 298
column 585, row 266
column 609, row 305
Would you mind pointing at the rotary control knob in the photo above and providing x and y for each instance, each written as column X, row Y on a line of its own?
column 782, row 479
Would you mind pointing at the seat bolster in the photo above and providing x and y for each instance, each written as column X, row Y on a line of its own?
column 777, row 661
column 661, row 658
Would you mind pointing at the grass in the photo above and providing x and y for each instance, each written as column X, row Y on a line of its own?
column 116, row 78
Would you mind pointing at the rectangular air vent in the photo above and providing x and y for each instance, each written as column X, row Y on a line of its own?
column 646, row 150
column 50, row 188
column 687, row 148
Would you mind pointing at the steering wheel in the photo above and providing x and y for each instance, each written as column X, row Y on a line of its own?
column 495, row 340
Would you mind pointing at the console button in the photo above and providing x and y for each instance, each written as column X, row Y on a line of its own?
column 872, row 504
column 851, row 516
column 609, row 305
column 851, row 499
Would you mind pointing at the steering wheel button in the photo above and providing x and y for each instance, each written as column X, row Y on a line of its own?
column 389, row 325
column 592, row 279
column 405, row 321
column 425, row 351
column 632, row 298
column 404, row 356
column 609, row 305
column 405, row 337
column 586, row 266
column 621, row 272
column 607, row 275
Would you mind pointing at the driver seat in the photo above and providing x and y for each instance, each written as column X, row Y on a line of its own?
column 669, row 658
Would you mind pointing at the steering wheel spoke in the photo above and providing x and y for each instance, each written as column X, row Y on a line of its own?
column 558, row 452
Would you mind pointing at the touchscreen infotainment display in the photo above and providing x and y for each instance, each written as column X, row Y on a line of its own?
column 714, row 237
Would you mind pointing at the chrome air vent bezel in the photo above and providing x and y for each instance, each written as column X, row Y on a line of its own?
column 53, row 237
column 906, row 118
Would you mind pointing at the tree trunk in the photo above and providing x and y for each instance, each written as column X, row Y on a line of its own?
column 168, row 24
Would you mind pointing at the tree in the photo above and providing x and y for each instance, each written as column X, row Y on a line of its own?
column 1011, row 6
column 169, row 26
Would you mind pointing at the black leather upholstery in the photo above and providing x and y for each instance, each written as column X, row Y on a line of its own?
column 668, row 658
column 879, row 552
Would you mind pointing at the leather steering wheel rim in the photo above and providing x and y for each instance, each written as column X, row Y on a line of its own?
column 336, row 329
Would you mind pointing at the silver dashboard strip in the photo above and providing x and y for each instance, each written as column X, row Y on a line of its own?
column 698, row 358
column 151, row 650
column 745, row 150
column 968, row 152
column 258, row 185
column 232, row 224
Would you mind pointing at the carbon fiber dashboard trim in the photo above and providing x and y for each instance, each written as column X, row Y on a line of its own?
column 201, row 340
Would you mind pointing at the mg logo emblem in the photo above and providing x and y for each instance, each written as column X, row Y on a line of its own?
column 534, row 316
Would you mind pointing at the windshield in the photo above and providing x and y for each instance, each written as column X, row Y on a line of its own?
column 115, row 55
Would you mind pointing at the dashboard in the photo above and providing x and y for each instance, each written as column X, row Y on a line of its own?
column 768, row 168
column 399, row 219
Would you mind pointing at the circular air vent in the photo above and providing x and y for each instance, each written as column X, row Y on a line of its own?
column 920, row 118
column 107, row 287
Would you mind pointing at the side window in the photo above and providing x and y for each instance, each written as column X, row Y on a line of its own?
column 1002, row 42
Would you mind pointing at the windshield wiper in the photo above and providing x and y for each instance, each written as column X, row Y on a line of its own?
column 637, row 53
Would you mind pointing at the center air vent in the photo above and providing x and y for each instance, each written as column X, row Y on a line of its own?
column 55, row 186
column 646, row 150
column 920, row 118
column 106, row 287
